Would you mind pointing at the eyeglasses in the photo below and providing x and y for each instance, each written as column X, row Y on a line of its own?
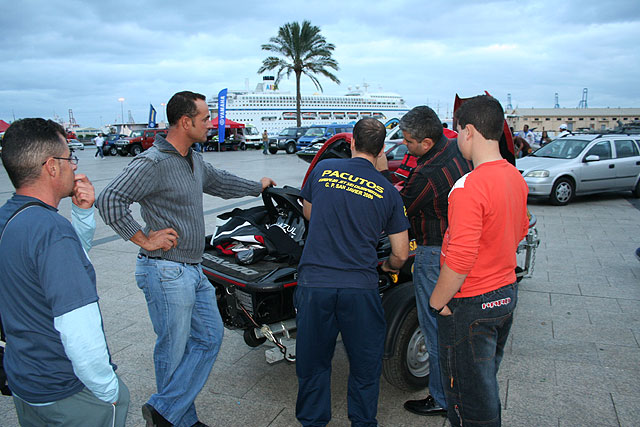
column 71, row 159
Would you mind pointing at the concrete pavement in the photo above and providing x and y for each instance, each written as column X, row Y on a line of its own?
column 573, row 357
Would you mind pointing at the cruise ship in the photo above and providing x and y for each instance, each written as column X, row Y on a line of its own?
column 270, row 109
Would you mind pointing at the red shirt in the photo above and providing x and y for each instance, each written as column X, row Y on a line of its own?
column 487, row 220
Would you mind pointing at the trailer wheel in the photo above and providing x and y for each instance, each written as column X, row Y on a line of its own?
column 251, row 340
column 408, row 367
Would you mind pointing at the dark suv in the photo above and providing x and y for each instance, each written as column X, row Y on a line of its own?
column 286, row 140
column 109, row 148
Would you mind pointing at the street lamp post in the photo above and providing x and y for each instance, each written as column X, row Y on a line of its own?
column 164, row 112
column 121, row 100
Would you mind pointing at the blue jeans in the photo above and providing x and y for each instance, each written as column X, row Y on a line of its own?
column 358, row 315
column 472, row 341
column 426, row 269
column 184, row 313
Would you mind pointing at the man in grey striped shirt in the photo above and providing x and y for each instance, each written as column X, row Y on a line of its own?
column 168, row 181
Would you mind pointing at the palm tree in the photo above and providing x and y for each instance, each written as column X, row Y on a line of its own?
column 305, row 51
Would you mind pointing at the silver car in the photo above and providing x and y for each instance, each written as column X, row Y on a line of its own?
column 74, row 144
column 583, row 164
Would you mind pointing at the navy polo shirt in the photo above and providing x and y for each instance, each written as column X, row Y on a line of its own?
column 44, row 273
column 352, row 204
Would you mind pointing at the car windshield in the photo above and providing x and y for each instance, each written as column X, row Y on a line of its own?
column 315, row 132
column 252, row 131
column 136, row 133
column 562, row 148
column 288, row 132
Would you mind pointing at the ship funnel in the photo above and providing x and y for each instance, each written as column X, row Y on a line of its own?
column 269, row 83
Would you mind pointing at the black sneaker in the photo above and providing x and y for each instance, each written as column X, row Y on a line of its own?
column 153, row 417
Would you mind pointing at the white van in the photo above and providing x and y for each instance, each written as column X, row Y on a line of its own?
column 251, row 136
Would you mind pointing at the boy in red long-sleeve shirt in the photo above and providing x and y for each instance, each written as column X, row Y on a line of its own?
column 476, row 294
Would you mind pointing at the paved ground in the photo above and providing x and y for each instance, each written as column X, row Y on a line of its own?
column 573, row 357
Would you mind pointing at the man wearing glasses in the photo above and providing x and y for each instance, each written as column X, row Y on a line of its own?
column 57, row 361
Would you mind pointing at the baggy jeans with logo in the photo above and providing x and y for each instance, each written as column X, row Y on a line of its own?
column 472, row 341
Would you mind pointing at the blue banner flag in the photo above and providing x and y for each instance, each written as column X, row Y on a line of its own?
column 152, row 116
column 222, row 113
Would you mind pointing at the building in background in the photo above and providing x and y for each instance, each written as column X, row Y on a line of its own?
column 576, row 119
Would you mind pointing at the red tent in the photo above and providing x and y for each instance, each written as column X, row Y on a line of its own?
column 3, row 126
column 228, row 124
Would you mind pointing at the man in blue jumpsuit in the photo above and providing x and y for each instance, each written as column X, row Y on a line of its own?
column 338, row 282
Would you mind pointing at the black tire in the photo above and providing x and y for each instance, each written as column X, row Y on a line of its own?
column 562, row 192
column 273, row 150
column 135, row 150
column 113, row 151
column 408, row 367
column 636, row 191
column 291, row 148
column 243, row 146
column 123, row 153
column 251, row 340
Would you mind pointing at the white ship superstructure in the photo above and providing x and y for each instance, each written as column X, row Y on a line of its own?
column 274, row 110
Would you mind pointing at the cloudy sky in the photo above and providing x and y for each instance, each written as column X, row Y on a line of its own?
column 84, row 54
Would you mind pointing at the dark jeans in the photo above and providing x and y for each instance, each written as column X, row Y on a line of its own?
column 358, row 315
column 472, row 342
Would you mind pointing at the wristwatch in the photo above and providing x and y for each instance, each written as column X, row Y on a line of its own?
column 436, row 311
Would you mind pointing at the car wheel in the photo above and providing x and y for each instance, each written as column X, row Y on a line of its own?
column 273, row 150
column 123, row 153
column 291, row 148
column 562, row 192
column 113, row 151
column 243, row 146
column 135, row 150
column 408, row 367
column 636, row 192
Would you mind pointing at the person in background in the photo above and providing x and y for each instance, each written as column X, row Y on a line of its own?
column 265, row 142
column 528, row 136
column 99, row 140
column 521, row 146
column 439, row 165
column 475, row 296
column 49, row 301
column 564, row 131
column 544, row 139
column 168, row 181
column 337, row 288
